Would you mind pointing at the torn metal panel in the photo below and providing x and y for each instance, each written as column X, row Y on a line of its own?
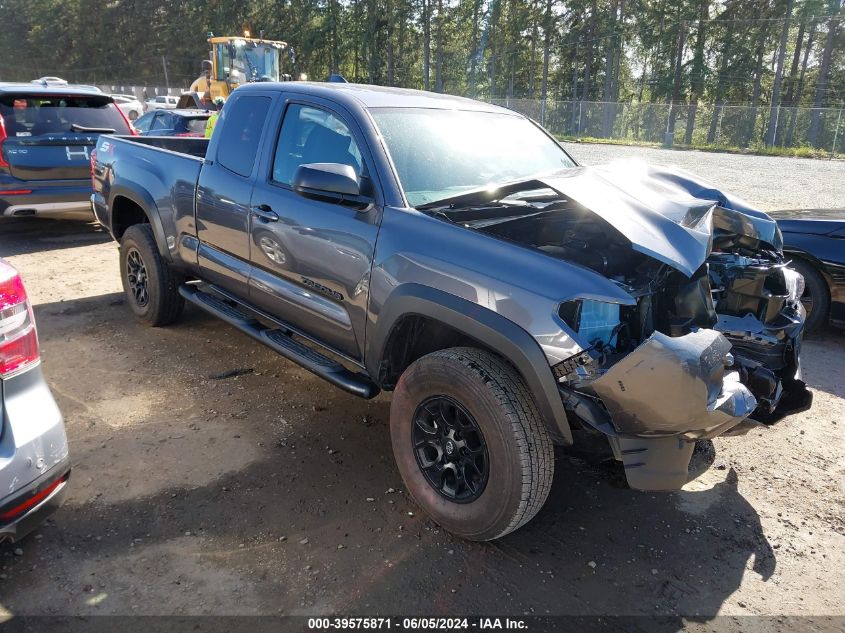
column 654, row 464
column 665, row 213
column 658, row 235
column 675, row 385
column 733, row 214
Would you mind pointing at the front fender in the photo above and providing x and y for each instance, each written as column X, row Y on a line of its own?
column 490, row 329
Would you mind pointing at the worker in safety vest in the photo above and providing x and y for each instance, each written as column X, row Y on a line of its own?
column 212, row 120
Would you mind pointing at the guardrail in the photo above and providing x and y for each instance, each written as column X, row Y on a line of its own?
column 141, row 92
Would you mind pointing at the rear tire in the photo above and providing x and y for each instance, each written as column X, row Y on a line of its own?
column 816, row 298
column 476, row 388
column 151, row 286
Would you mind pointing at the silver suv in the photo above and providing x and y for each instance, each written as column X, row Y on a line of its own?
column 34, row 462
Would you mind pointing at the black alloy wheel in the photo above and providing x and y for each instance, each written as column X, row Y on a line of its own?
column 136, row 277
column 816, row 296
column 450, row 449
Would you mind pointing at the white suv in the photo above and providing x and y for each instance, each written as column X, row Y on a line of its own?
column 161, row 102
column 130, row 105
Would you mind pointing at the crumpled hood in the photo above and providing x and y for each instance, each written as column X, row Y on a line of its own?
column 668, row 214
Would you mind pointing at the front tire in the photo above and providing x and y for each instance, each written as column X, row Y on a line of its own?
column 816, row 297
column 470, row 443
column 151, row 286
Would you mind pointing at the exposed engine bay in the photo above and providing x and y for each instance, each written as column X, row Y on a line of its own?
column 709, row 342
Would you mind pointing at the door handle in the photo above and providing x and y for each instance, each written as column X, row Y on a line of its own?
column 264, row 212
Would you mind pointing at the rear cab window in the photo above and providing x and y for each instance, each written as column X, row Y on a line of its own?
column 28, row 115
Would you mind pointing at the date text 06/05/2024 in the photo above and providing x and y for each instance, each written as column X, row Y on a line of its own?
column 416, row 624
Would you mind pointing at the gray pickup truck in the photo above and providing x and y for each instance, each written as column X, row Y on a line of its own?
column 452, row 252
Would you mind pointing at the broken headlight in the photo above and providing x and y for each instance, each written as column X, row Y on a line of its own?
column 597, row 322
column 794, row 283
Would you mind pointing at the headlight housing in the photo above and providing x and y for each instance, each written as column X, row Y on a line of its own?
column 794, row 283
column 596, row 321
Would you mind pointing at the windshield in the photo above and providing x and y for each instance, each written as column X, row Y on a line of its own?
column 245, row 61
column 36, row 115
column 440, row 153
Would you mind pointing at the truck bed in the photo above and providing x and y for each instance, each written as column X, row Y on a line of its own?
column 157, row 173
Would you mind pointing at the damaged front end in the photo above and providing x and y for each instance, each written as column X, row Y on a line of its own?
column 709, row 342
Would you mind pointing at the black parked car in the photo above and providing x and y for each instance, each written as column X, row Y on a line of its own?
column 815, row 242
column 173, row 123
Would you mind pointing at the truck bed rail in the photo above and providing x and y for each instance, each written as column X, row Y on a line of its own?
column 190, row 145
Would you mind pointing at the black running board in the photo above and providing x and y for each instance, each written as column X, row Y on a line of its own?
column 281, row 342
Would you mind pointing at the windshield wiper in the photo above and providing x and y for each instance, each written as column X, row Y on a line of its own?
column 485, row 195
column 92, row 130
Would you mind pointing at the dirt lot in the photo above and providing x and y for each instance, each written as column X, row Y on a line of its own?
column 212, row 477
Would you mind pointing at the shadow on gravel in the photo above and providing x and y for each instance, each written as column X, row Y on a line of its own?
column 820, row 353
column 88, row 305
column 31, row 235
column 654, row 554
column 596, row 548
column 94, row 306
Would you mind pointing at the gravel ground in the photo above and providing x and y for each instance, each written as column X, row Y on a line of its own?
column 269, row 492
column 769, row 183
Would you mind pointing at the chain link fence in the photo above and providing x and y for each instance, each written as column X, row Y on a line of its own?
column 705, row 126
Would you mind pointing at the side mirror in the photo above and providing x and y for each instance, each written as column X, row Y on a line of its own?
column 333, row 181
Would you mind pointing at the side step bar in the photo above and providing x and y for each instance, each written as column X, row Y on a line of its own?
column 282, row 342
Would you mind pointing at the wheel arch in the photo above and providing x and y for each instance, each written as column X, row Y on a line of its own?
column 454, row 321
column 130, row 206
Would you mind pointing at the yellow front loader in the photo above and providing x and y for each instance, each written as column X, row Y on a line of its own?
column 234, row 61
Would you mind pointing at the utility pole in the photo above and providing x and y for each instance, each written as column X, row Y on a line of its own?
column 824, row 75
column 426, row 16
column 669, row 139
column 166, row 78
column 774, row 106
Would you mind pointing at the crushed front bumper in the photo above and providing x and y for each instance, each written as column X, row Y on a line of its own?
column 666, row 394
column 654, row 403
column 676, row 386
